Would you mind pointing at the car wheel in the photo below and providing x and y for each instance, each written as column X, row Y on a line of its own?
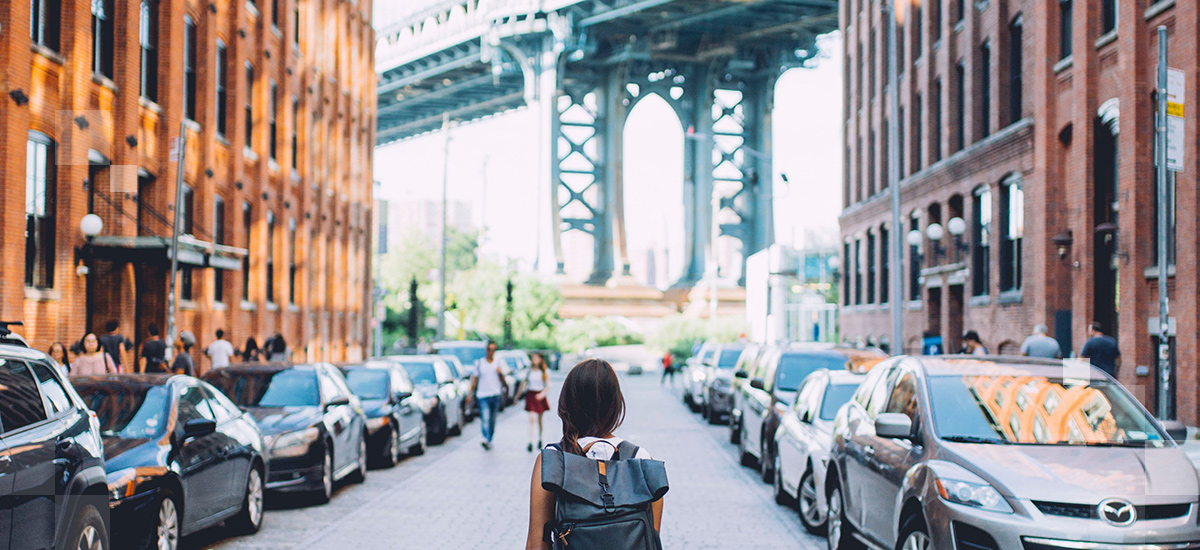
column 914, row 535
column 810, row 514
column 88, row 531
column 166, row 523
column 422, row 442
column 325, row 493
column 766, row 465
column 439, row 431
column 457, row 429
column 838, row 533
column 249, row 519
column 781, row 495
column 389, row 453
column 360, row 475
column 735, row 434
column 747, row 458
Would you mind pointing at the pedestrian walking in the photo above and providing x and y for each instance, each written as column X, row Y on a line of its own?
column 93, row 360
column 972, row 345
column 537, row 387
column 250, row 352
column 220, row 351
column 592, row 407
column 58, row 352
column 183, row 363
column 487, row 385
column 1101, row 349
column 154, row 352
column 668, row 365
column 113, row 341
column 277, row 350
column 1040, row 345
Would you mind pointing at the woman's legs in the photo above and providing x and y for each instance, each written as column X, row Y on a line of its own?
column 539, row 416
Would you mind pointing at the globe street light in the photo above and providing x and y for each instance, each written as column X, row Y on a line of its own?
column 958, row 227
column 914, row 237
column 91, row 225
column 935, row 232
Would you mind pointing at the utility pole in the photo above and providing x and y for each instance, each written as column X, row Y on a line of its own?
column 1166, row 398
column 180, row 153
column 441, row 320
column 894, row 182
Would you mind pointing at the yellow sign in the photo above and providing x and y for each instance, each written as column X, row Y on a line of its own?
column 1175, row 109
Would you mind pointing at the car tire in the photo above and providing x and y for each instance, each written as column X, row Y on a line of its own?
column 782, row 497
column 746, row 458
column 438, row 436
column 806, row 504
column 389, row 452
column 839, row 535
column 735, row 433
column 249, row 519
column 88, row 531
column 325, row 493
column 766, row 464
column 914, row 535
column 422, row 443
column 457, row 429
column 359, row 475
column 164, row 533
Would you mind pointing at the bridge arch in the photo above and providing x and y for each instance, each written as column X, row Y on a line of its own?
column 653, row 178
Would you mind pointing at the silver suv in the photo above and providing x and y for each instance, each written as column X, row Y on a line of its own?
column 1005, row 454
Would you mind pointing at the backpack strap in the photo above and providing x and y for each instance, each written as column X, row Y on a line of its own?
column 626, row 451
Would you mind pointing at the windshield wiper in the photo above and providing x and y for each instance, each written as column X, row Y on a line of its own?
column 975, row 439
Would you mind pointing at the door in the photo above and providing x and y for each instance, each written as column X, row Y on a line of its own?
column 64, row 424
column 1105, row 264
column 892, row 459
column 757, row 403
column 792, row 448
column 202, row 460
column 235, row 435
column 337, row 419
column 410, row 416
column 448, row 390
column 861, row 443
column 30, row 437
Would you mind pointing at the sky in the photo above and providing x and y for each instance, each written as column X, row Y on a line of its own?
column 493, row 164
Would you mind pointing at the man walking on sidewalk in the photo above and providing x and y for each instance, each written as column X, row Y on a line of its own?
column 220, row 351
column 113, row 341
column 1101, row 349
column 488, row 385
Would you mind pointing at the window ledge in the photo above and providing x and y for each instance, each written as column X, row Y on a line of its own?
column 1064, row 64
column 42, row 294
column 295, row 176
column 252, row 8
column 104, row 81
column 222, row 140
column 192, row 125
column 275, row 30
column 962, row 24
column 1010, row 297
column 982, row 5
column 249, row 154
column 189, row 305
column 272, row 165
column 1151, row 272
column 272, row 306
column 915, row 305
column 293, row 308
column 48, row 53
column 1106, row 39
column 249, row 306
column 937, row 44
column 1156, row 9
column 149, row 104
column 980, row 301
column 218, row 306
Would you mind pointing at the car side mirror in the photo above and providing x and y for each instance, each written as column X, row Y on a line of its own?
column 337, row 402
column 199, row 427
column 741, row 374
column 757, row 384
column 400, row 396
column 1176, row 430
column 893, row 426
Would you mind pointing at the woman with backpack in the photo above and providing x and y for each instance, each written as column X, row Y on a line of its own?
column 92, row 360
column 537, row 387
column 593, row 489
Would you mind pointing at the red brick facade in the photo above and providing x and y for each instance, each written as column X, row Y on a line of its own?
column 111, row 157
column 1079, row 143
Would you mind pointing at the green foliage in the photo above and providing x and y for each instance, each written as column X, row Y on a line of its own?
column 679, row 334
column 576, row 335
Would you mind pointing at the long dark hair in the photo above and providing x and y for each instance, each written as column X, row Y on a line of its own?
column 591, row 403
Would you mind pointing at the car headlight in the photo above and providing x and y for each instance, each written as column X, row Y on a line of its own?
column 698, row 375
column 293, row 443
column 978, row 495
column 376, row 423
column 124, row 483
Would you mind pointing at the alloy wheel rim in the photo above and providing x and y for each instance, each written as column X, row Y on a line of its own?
column 362, row 456
column 89, row 539
column 168, row 525
column 778, row 476
column 394, row 445
column 808, row 500
column 327, row 475
column 834, row 531
column 916, row 540
column 254, row 497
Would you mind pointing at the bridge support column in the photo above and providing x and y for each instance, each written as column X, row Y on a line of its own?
column 696, row 115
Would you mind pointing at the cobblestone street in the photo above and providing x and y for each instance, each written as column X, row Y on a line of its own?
column 460, row 496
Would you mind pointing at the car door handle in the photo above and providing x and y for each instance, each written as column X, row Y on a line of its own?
column 869, row 450
column 5, row 459
column 65, row 446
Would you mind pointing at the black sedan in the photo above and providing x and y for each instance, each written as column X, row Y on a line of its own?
column 395, row 414
column 313, row 425
column 180, row 458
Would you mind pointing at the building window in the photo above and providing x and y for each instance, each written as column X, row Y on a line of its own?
column 870, row 268
column 918, row 134
column 249, row 105
column 273, row 127
column 872, row 186
column 871, row 65
column 960, row 106
column 40, row 179
column 1012, row 221
column 914, row 261
column 218, row 238
column 147, row 38
column 858, row 272
column 292, row 261
column 981, row 234
column 45, row 18
column 275, row 14
column 1016, row 62
column 935, row 126
column 222, row 89
column 935, row 20
column 862, row 68
column 186, row 208
column 918, row 41
column 1065, row 28
column 885, row 266
column 295, row 133
column 985, row 90
column 247, row 225
column 296, row 27
column 189, row 67
column 102, row 38
column 960, row 10
column 270, row 257
column 185, row 283
column 846, row 269
column 1108, row 16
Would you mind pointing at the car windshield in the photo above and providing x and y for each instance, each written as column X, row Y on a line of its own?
column 421, row 372
column 127, row 411
column 368, row 383
column 836, row 396
column 729, row 357
column 466, row 355
column 1037, row 410
column 795, row 367
column 286, row 388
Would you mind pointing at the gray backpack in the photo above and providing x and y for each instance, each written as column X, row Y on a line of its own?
column 602, row 504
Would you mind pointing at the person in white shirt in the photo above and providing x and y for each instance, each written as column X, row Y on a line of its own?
column 487, row 384
column 220, row 351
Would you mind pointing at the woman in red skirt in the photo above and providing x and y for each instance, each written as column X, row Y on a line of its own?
column 537, row 386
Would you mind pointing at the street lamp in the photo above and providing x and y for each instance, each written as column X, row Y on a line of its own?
column 914, row 239
column 935, row 232
column 957, row 227
column 90, row 225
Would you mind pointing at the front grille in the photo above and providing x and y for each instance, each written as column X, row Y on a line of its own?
column 1089, row 511
column 1163, row 511
column 971, row 538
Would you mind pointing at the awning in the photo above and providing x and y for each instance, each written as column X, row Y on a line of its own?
column 157, row 250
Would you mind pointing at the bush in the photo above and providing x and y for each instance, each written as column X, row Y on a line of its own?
column 576, row 335
column 679, row 334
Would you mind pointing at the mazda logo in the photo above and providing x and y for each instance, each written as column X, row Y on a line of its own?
column 1115, row 511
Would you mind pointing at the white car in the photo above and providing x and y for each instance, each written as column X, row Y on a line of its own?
column 694, row 375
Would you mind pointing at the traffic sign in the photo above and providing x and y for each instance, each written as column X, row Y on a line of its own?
column 1175, row 119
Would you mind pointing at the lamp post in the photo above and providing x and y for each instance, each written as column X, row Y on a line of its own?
column 90, row 225
column 935, row 232
column 893, row 79
column 958, row 227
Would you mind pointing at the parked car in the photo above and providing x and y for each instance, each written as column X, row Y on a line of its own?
column 314, row 429
column 181, row 457
column 437, row 384
column 693, row 375
column 395, row 411
column 518, row 364
column 1005, row 454
column 467, row 351
column 51, row 454
column 719, row 385
column 803, row 439
column 695, row 381
column 771, row 389
column 470, row 407
column 746, row 364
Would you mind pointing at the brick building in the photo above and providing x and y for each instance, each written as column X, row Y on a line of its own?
column 276, row 98
column 1027, row 137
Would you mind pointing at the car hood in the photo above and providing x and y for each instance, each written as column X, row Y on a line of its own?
column 120, row 453
column 428, row 390
column 1083, row 475
column 375, row 408
column 277, row 420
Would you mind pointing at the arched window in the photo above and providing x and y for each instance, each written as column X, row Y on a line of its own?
column 40, row 178
column 981, row 232
column 1012, row 232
